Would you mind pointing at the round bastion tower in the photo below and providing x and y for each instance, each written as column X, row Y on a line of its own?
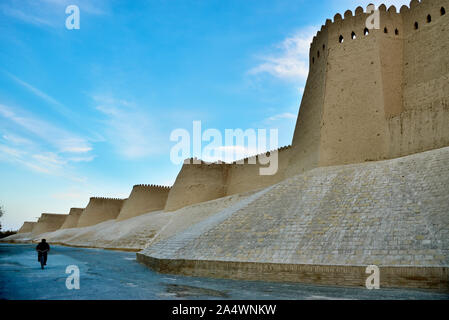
column 375, row 94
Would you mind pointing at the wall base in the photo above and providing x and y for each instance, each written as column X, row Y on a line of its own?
column 435, row 278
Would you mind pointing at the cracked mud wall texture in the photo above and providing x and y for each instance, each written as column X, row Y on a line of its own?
column 388, row 213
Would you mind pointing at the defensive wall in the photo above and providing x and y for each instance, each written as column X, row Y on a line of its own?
column 72, row 219
column 48, row 222
column 144, row 199
column 197, row 183
column 27, row 227
column 371, row 94
column 375, row 94
column 326, row 226
column 100, row 210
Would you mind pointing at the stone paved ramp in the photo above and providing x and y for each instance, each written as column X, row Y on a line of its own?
column 388, row 213
column 165, row 249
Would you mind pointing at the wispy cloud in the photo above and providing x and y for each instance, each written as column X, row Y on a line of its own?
column 44, row 162
column 49, row 158
column 63, row 140
column 49, row 13
column 16, row 140
column 70, row 195
column 290, row 59
column 82, row 159
column 56, row 105
column 283, row 116
column 97, row 7
column 128, row 127
column 25, row 16
column 45, row 149
column 10, row 151
column 12, row 155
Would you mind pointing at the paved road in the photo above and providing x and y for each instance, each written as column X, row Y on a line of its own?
column 116, row 275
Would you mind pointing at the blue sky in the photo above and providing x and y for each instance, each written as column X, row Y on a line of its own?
column 89, row 112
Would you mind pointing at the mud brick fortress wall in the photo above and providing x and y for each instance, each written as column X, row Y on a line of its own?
column 144, row 199
column 197, row 183
column 366, row 179
column 27, row 227
column 391, row 213
column 100, row 210
column 72, row 219
column 48, row 222
column 370, row 95
column 378, row 95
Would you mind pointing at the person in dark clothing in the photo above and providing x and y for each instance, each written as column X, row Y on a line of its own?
column 42, row 249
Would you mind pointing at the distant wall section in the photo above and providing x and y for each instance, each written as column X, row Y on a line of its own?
column 99, row 210
column 27, row 227
column 208, row 181
column 246, row 177
column 48, row 222
column 144, row 199
column 197, row 183
column 72, row 218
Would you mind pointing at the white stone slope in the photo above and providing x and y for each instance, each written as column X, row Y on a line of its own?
column 134, row 233
column 389, row 213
